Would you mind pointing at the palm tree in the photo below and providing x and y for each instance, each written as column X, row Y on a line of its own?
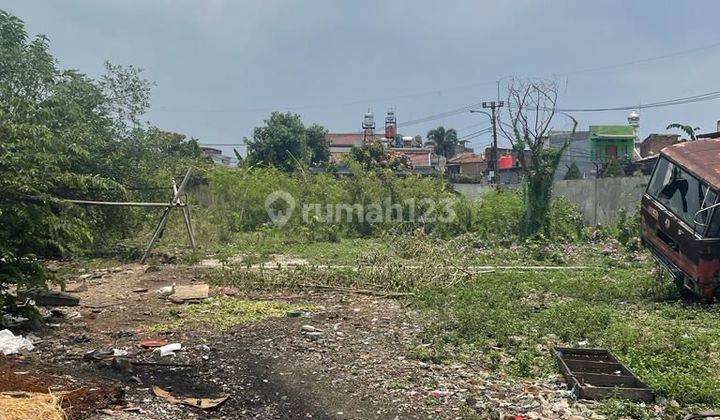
column 687, row 129
column 443, row 141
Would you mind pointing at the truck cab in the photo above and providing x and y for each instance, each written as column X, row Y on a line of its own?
column 680, row 215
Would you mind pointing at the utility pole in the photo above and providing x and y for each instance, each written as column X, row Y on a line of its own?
column 493, row 105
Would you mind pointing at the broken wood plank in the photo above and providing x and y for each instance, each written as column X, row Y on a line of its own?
column 193, row 292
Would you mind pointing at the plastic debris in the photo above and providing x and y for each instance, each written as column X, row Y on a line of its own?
column 169, row 349
column 153, row 343
column 167, row 290
column 12, row 344
column 12, row 321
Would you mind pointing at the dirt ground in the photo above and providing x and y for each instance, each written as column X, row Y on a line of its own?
column 347, row 358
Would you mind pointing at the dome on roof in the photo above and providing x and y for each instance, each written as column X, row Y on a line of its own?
column 634, row 119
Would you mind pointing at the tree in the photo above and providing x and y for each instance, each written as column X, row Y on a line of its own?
column 65, row 135
column 444, row 141
column 687, row 129
column 282, row 143
column 285, row 143
column 613, row 169
column 530, row 113
column 573, row 172
column 374, row 156
column 317, row 142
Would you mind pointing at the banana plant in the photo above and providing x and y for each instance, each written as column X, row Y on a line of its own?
column 687, row 129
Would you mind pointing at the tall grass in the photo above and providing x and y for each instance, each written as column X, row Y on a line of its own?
column 231, row 203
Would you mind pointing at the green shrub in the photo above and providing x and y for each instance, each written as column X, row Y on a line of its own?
column 566, row 221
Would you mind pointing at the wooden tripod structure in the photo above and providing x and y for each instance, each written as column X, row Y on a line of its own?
column 160, row 228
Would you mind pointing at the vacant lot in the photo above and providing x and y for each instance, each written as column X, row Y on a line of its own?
column 407, row 326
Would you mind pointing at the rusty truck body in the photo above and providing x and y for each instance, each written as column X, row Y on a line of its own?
column 680, row 215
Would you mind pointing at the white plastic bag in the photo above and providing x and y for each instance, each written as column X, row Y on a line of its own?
column 11, row 344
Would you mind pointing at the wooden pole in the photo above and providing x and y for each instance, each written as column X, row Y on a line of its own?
column 120, row 203
column 188, row 225
column 166, row 214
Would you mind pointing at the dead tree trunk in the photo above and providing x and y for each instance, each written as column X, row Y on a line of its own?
column 530, row 113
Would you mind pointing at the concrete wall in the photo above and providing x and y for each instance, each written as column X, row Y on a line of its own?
column 600, row 200
column 473, row 191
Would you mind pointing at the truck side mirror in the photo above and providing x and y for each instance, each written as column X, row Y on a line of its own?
column 696, row 223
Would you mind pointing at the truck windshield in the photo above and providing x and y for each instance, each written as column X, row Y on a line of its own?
column 682, row 193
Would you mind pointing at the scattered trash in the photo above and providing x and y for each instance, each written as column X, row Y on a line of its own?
column 436, row 394
column 76, row 287
column 13, row 321
column 12, row 344
column 191, row 293
column 134, row 410
column 153, row 343
column 59, row 313
column 98, row 355
column 119, row 353
column 49, row 298
column 204, row 403
column 169, row 349
column 140, row 290
column 596, row 374
column 294, row 314
column 167, row 290
column 309, row 328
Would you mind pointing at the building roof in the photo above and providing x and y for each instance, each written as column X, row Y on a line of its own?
column 612, row 131
column 654, row 143
column 466, row 157
column 701, row 157
column 417, row 156
column 345, row 139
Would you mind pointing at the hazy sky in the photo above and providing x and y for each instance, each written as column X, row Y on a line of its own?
column 221, row 66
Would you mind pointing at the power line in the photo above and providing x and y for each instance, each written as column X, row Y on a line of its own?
column 475, row 134
column 670, row 102
column 445, row 114
column 643, row 60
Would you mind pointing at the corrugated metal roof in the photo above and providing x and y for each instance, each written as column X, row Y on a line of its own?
column 701, row 157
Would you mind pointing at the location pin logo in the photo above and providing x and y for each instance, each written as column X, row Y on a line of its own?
column 280, row 217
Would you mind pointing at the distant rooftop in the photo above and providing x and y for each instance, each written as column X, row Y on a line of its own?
column 613, row 131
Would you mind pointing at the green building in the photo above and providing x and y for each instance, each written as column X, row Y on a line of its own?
column 608, row 142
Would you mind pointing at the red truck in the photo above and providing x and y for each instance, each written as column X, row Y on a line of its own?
column 680, row 215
